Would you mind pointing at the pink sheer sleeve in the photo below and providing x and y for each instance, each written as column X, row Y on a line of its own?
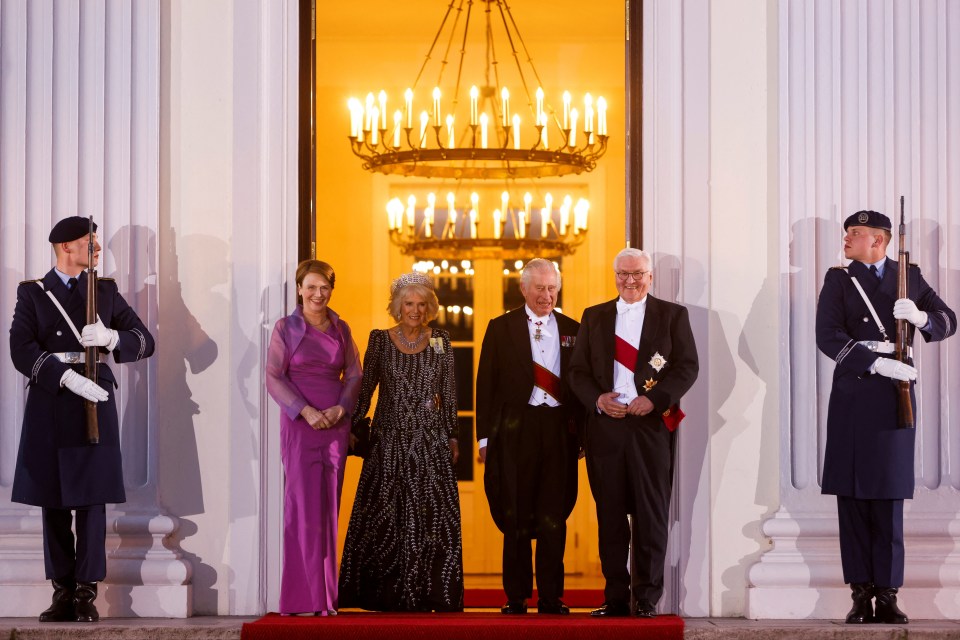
column 278, row 384
column 352, row 372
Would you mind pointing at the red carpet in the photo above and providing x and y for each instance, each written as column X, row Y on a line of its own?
column 457, row 626
column 494, row 598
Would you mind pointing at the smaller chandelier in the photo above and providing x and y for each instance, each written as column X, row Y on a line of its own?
column 488, row 140
column 508, row 232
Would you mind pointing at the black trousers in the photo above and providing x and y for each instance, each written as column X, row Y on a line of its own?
column 630, row 467
column 871, row 541
column 80, row 560
column 537, row 453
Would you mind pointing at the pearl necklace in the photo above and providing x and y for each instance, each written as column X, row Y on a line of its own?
column 406, row 343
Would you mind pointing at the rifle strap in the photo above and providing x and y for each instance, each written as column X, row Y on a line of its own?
column 63, row 312
column 873, row 312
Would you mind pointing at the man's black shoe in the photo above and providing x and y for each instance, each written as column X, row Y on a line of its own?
column 645, row 609
column 887, row 610
column 611, row 610
column 61, row 608
column 514, row 606
column 862, row 610
column 83, row 598
column 554, row 606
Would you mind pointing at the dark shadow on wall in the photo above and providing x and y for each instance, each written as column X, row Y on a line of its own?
column 716, row 380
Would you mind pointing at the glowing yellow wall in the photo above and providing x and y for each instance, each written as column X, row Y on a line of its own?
column 355, row 57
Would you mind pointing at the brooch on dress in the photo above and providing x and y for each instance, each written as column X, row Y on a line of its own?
column 437, row 344
column 658, row 361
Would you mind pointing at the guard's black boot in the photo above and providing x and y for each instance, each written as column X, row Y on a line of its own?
column 61, row 608
column 887, row 610
column 862, row 611
column 83, row 598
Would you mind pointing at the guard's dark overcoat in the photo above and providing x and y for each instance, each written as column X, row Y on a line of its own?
column 56, row 467
column 867, row 456
column 504, row 385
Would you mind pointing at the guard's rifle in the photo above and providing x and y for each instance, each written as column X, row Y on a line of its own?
column 92, row 354
column 904, row 338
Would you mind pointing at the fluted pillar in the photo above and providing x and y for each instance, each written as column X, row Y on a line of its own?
column 79, row 134
column 869, row 109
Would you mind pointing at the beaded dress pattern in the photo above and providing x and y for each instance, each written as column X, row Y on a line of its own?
column 403, row 549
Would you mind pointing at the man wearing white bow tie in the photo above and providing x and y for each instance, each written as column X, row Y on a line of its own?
column 633, row 360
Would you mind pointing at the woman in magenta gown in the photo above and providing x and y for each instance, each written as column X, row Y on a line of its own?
column 313, row 372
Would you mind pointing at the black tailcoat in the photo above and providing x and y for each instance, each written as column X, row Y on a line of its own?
column 867, row 456
column 56, row 467
column 504, row 385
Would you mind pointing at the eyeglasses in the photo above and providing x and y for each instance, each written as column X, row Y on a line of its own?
column 636, row 275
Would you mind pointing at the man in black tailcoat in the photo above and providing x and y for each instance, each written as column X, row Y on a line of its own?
column 868, row 462
column 527, row 424
column 57, row 468
column 635, row 358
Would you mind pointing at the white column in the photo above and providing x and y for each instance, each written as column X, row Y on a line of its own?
column 869, row 99
column 80, row 125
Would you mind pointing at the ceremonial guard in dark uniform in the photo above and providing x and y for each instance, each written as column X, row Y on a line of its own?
column 58, row 469
column 528, row 421
column 869, row 460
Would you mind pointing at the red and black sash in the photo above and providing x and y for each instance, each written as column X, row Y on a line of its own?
column 547, row 380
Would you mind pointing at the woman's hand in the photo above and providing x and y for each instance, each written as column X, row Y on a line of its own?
column 314, row 418
column 454, row 450
column 334, row 414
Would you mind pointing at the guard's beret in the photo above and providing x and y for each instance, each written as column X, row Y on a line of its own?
column 873, row 219
column 70, row 229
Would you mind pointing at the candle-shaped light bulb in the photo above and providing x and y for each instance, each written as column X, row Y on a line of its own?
column 473, row 223
column 436, row 106
column 587, row 113
column 504, row 201
column 521, row 224
column 544, row 217
column 367, row 124
column 580, row 215
column 548, row 200
column 484, row 121
column 574, row 116
column 564, row 216
column 601, row 116
column 382, row 98
column 451, row 210
column 451, row 138
column 424, row 119
column 505, row 106
column 452, row 223
column 397, row 117
column 544, row 141
column 474, row 105
column 428, row 214
column 408, row 107
column 516, row 131
column 411, row 210
column 527, row 199
column 375, row 119
column 474, row 200
column 539, row 104
column 496, row 223
column 566, row 110
column 391, row 215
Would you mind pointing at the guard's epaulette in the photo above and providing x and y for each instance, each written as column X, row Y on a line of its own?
column 31, row 281
column 839, row 267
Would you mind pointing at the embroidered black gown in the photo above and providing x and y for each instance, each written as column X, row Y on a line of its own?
column 403, row 548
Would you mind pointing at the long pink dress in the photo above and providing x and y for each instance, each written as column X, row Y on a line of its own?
column 307, row 366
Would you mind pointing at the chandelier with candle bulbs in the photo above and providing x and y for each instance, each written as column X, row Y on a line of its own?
column 474, row 135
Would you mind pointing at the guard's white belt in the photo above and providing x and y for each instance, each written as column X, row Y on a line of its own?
column 73, row 357
column 883, row 346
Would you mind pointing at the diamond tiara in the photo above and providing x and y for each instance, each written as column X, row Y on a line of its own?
column 414, row 277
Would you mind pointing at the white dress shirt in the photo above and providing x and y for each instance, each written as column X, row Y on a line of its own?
column 629, row 326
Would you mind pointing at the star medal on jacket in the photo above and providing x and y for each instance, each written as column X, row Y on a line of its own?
column 437, row 344
column 658, row 362
column 649, row 384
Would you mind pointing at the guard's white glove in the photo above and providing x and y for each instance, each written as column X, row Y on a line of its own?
column 906, row 309
column 83, row 387
column 97, row 335
column 894, row 369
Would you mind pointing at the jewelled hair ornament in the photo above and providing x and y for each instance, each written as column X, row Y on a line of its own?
column 414, row 277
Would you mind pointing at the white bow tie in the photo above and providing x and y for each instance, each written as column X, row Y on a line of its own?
column 623, row 307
